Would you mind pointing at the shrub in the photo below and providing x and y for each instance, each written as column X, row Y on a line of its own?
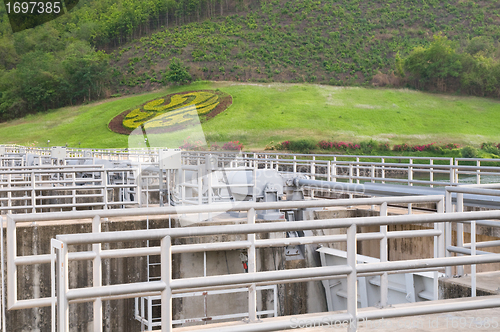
column 283, row 145
column 367, row 146
column 301, row 145
column 451, row 146
column 189, row 145
column 384, row 147
column 233, row 146
column 325, row 145
column 468, row 152
column 178, row 73
column 401, row 148
column 490, row 148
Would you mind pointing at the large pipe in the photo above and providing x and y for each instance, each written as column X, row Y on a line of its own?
column 340, row 186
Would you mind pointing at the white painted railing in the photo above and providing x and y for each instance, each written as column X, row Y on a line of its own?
column 167, row 287
column 45, row 188
column 469, row 248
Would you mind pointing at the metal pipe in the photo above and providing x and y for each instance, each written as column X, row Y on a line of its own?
column 484, row 244
column 357, row 188
column 466, row 251
column 221, row 207
column 240, row 278
column 473, row 190
column 121, row 289
column 275, row 227
column 427, row 263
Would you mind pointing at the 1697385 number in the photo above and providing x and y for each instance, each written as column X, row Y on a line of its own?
column 33, row 7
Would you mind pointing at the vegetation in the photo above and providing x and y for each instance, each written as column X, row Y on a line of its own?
column 443, row 66
column 171, row 112
column 178, row 73
column 108, row 47
column 276, row 112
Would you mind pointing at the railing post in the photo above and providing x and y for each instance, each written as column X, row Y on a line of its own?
column 138, row 177
column 54, row 245
column 460, row 231
column 62, row 287
column 473, row 253
column 105, row 184
column 9, row 193
column 350, row 172
column 357, row 170
column 382, row 160
column 352, row 290
column 410, row 173
column 448, row 209
column 252, row 268
column 384, row 282
column 97, row 275
column 313, row 174
column 431, row 173
column 166, row 277
column 11, row 265
column 453, row 172
column 334, row 169
column 33, row 193
column 294, row 165
column 478, row 175
column 74, row 191
column 328, row 171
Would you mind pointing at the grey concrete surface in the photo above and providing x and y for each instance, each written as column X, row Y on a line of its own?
column 462, row 321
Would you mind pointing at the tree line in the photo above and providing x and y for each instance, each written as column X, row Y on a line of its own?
column 471, row 67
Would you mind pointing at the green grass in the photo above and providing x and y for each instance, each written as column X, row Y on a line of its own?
column 262, row 113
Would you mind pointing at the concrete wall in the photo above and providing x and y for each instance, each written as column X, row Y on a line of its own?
column 34, row 281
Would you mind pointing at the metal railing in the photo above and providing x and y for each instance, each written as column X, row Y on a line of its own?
column 432, row 171
column 144, row 314
column 469, row 248
column 44, row 188
column 167, row 287
column 13, row 260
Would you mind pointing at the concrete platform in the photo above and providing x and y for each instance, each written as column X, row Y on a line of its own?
column 487, row 281
column 441, row 321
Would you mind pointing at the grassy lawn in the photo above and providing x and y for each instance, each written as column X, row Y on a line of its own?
column 262, row 113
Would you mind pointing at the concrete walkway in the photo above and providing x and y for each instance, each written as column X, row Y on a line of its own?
column 456, row 321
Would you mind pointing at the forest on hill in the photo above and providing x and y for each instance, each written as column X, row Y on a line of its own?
column 107, row 47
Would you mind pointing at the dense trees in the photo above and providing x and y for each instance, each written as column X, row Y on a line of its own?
column 46, row 80
column 444, row 66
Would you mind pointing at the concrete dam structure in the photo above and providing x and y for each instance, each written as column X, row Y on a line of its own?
column 163, row 239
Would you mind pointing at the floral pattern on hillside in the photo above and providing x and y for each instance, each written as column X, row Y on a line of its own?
column 172, row 112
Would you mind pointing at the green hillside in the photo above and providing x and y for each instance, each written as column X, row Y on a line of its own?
column 344, row 42
column 262, row 113
column 330, row 42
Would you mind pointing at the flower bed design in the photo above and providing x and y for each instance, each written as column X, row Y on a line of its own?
column 172, row 112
